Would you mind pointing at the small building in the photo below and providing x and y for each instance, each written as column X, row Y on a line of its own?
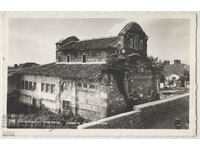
column 12, row 78
column 176, row 75
column 94, row 78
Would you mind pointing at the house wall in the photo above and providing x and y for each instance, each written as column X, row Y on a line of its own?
column 174, row 78
column 116, row 99
column 49, row 100
column 91, row 56
column 12, row 85
column 90, row 103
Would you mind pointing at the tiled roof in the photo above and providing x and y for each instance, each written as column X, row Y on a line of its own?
column 102, row 43
column 175, row 69
column 13, row 70
column 67, row 71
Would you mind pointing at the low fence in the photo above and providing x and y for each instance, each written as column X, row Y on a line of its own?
column 143, row 116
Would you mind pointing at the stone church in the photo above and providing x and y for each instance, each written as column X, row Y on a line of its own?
column 94, row 78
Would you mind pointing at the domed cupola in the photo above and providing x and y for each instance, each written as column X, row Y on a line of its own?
column 132, row 27
column 135, row 39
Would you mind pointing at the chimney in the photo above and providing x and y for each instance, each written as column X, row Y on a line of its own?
column 166, row 62
column 177, row 61
column 15, row 65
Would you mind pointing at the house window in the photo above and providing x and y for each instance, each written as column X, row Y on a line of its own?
column 52, row 88
column 29, row 85
column 84, row 58
column 92, row 86
column 42, row 86
column 66, row 105
column 141, row 44
column 131, row 43
column 85, row 85
column 48, row 87
column 26, row 85
column 68, row 58
column 79, row 84
column 34, row 85
column 66, row 86
column 136, row 42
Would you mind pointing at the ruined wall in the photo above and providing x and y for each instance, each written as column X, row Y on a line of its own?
column 139, row 81
column 116, row 98
column 91, row 103
column 38, row 97
column 102, row 100
column 144, row 116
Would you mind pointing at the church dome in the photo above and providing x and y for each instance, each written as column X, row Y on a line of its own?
column 132, row 26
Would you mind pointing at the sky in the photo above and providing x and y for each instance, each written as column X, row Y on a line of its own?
column 33, row 40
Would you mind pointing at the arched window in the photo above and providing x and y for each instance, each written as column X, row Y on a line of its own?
column 136, row 42
column 131, row 42
column 141, row 44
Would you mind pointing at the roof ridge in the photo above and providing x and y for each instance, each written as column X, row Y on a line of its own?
column 97, row 38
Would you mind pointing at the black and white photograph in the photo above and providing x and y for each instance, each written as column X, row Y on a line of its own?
column 130, row 72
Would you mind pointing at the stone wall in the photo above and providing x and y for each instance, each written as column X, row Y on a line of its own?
column 116, row 98
column 144, row 115
column 91, row 103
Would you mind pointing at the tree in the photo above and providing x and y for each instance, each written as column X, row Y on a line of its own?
column 186, row 75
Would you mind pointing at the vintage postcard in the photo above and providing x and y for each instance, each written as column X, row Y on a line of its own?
column 98, row 74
